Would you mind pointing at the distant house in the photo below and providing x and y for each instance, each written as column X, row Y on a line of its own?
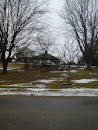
column 71, row 63
column 24, row 54
column 46, row 61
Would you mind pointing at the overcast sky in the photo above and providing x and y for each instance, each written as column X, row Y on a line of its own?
column 56, row 6
column 57, row 22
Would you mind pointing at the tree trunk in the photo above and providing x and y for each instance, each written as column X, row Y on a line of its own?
column 88, row 60
column 68, row 79
column 89, row 66
column 5, row 64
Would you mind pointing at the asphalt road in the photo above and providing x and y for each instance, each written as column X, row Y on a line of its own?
column 48, row 113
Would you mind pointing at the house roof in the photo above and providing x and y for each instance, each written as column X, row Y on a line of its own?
column 45, row 56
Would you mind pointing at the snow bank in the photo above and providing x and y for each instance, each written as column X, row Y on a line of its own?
column 52, row 92
column 84, row 80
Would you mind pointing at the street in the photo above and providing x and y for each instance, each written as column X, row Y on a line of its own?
column 48, row 113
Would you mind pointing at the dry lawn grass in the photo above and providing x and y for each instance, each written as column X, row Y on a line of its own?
column 18, row 77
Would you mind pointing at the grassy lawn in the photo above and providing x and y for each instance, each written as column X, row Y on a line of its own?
column 29, row 79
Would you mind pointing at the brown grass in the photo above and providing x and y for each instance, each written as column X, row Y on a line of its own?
column 17, row 77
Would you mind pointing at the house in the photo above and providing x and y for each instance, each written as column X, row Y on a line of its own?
column 24, row 54
column 46, row 61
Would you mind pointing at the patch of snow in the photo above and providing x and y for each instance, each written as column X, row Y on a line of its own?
column 45, row 81
column 19, row 85
column 83, row 66
column 65, row 75
column 37, row 89
column 49, row 80
column 13, row 68
column 57, row 79
column 53, row 92
column 65, row 71
column 25, row 85
column 40, row 85
column 79, row 92
column 1, row 81
column 84, row 80
column 7, row 89
column 72, row 71
column 93, row 73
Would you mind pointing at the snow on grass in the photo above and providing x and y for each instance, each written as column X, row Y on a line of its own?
column 13, row 68
column 52, row 92
column 49, row 80
column 25, row 85
column 72, row 71
column 65, row 75
column 93, row 73
column 40, row 85
column 37, row 85
column 45, row 81
column 83, row 66
column 84, row 80
column 19, row 85
column 2, row 81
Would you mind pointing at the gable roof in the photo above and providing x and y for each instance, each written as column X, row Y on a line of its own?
column 45, row 56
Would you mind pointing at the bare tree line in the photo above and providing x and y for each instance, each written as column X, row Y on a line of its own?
column 19, row 19
column 22, row 20
column 81, row 17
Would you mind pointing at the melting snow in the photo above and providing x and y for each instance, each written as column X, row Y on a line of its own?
column 40, row 85
column 49, row 80
column 84, row 80
column 72, row 71
column 65, row 75
column 52, row 92
column 25, row 85
column 11, row 68
column 1, row 81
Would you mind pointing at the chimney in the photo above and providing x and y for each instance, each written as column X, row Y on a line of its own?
column 45, row 52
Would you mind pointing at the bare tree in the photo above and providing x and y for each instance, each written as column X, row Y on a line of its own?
column 45, row 41
column 95, row 58
column 81, row 17
column 69, row 54
column 19, row 19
